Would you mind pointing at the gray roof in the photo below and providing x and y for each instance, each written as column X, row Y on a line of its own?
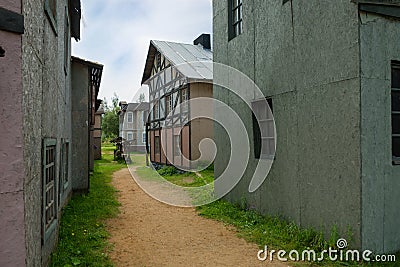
column 193, row 61
column 138, row 106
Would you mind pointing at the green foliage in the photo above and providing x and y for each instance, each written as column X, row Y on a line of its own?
column 110, row 123
column 83, row 235
column 167, row 171
column 142, row 98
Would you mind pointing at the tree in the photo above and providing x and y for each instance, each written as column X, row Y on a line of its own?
column 110, row 122
column 142, row 98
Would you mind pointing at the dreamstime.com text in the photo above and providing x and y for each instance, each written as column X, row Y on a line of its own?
column 339, row 254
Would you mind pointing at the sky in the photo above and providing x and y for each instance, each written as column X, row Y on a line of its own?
column 117, row 34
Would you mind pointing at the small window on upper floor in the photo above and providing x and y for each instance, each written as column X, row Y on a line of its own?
column 169, row 100
column 129, row 117
column 235, row 18
column 184, row 99
column 50, row 8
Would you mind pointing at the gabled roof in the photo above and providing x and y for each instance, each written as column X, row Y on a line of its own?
column 138, row 106
column 193, row 61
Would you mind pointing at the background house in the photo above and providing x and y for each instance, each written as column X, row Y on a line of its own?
column 331, row 73
column 86, row 78
column 176, row 73
column 97, row 130
column 132, row 127
column 36, row 133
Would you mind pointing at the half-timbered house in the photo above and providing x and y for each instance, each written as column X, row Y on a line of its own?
column 176, row 73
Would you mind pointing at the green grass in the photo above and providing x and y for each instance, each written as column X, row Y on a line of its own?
column 107, row 148
column 83, row 236
column 187, row 179
column 275, row 232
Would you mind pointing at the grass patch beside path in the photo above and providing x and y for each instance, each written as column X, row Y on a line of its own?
column 83, row 236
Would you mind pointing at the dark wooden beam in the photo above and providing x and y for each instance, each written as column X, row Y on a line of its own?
column 386, row 10
column 378, row 2
column 11, row 21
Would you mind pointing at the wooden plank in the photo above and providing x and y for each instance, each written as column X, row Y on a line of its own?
column 391, row 11
column 11, row 21
column 378, row 2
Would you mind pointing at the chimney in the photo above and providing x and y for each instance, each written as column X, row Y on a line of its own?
column 204, row 40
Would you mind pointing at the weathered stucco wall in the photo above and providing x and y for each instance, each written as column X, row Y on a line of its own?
column 80, row 127
column 46, row 108
column 12, row 243
column 305, row 56
column 380, row 186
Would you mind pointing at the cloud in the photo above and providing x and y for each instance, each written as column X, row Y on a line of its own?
column 117, row 33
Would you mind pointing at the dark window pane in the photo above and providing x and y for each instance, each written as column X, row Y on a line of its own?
column 396, row 147
column 256, row 138
column 396, row 123
column 395, row 100
column 395, row 76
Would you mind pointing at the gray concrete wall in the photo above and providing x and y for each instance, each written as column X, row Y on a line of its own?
column 33, row 72
column 46, row 107
column 305, row 56
column 12, row 243
column 80, row 127
column 380, row 187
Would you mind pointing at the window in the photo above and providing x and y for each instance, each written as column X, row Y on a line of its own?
column 130, row 117
column 64, row 169
column 156, row 109
column 49, row 193
column 156, row 145
column 263, row 129
column 396, row 113
column 177, row 145
column 235, row 18
column 50, row 8
column 129, row 136
column 184, row 99
column 169, row 103
column 144, row 137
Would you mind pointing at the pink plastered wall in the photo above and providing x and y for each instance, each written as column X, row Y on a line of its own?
column 12, row 230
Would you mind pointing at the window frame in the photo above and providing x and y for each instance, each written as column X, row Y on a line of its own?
column 156, row 110
column 258, row 137
column 235, row 18
column 177, row 144
column 395, row 112
column 169, row 103
column 127, row 136
column 49, row 227
column 157, row 145
column 144, row 137
column 127, row 117
column 184, row 99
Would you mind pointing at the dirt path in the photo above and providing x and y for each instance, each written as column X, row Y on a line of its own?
column 150, row 233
